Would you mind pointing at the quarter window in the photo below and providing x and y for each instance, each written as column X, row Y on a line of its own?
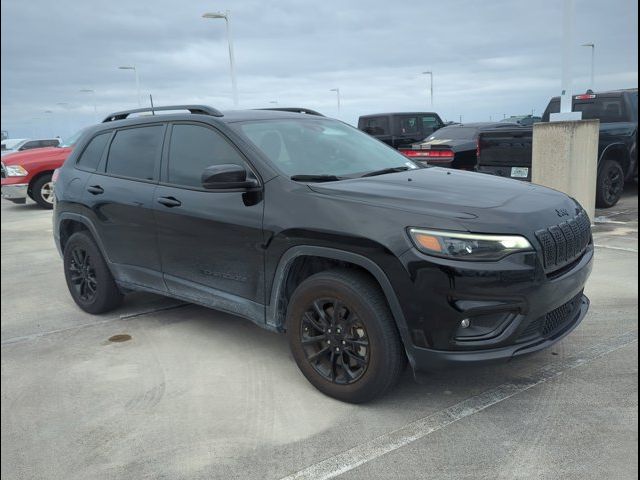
column 91, row 156
column 135, row 152
column 193, row 148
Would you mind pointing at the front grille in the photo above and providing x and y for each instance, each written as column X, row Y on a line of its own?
column 553, row 321
column 564, row 243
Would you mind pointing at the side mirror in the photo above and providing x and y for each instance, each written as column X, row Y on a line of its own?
column 227, row 177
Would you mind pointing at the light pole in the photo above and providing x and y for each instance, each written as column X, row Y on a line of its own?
column 232, row 62
column 337, row 90
column 93, row 95
column 593, row 61
column 430, row 85
column 135, row 71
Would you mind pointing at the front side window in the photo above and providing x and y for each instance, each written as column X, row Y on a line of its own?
column 319, row 146
column 408, row 125
column 193, row 148
column 135, row 152
column 91, row 156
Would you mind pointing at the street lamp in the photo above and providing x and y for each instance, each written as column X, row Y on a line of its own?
column 593, row 58
column 431, row 85
column 135, row 71
column 225, row 16
column 93, row 94
column 337, row 90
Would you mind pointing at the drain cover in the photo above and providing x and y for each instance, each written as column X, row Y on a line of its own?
column 123, row 337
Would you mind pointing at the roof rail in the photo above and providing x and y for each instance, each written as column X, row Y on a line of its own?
column 308, row 111
column 194, row 109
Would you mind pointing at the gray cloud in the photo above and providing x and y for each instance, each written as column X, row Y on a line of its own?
column 489, row 58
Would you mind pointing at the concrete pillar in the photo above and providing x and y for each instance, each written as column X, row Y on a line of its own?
column 565, row 157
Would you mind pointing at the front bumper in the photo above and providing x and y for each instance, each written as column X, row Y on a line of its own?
column 16, row 193
column 427, row 360
column 514, row 308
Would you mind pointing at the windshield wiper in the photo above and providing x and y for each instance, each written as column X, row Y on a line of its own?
column 384, row 171
column 315, row 178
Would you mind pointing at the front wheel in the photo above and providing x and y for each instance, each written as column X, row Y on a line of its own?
column 42, row 191
column 610, row 184
column 343, row 337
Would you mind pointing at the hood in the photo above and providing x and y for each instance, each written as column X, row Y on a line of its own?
column 36, row 155
column 479, row 202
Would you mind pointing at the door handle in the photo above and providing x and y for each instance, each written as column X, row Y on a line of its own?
column 95, row 189
column 169, row 202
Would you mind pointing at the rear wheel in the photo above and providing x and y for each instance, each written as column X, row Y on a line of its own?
column 88, row 278
column 343, row 337
column 41, row 191
column 610, row 184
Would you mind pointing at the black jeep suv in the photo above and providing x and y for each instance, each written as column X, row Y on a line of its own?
column 304, row 224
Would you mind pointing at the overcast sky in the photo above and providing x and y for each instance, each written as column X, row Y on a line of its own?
column 489, row 58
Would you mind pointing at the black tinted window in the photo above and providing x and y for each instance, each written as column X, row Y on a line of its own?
column 194, row 148
column 607, row 110
column 408, row 125
column 93, row 153
column 376, row 126
column 135, row 151
column 30, row 145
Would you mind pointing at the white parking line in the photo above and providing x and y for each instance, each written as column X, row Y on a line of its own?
column 361, row 454
column 622, row 249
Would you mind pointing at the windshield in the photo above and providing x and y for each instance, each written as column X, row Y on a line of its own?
column 72, row 140
column 454, row 133
column 308, row 146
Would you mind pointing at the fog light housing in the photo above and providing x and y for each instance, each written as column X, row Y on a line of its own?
column 483, row 326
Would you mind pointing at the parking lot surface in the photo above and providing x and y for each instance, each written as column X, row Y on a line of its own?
column 165, row 390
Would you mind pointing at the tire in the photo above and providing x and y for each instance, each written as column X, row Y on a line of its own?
column 371, row 355
column 610, row 184
column 42, row 191
column 89, row 280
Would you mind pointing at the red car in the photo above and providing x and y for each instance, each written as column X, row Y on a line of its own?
column 29, row 173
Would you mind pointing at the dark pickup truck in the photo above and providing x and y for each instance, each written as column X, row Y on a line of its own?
column 400, row 129
column 507, row 152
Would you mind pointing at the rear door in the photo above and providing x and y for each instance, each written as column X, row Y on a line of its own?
column 210, row 241
column 120, row 197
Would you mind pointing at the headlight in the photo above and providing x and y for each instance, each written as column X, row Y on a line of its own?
column 15, row 171
column 467, row 246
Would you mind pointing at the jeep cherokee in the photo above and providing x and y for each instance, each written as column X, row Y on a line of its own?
column 305, row 225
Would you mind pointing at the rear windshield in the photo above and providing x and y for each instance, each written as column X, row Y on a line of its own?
column 454, row 133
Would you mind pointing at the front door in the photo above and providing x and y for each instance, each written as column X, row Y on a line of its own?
column 211, row 243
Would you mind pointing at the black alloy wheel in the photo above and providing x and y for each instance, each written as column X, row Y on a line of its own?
column 82, row 275
column 335, row 341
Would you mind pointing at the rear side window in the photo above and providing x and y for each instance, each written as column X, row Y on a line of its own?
column 376, row 126
column 135, row 152
column 193, row 148
column 91, row 155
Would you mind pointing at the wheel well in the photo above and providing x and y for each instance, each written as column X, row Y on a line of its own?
column 68, row 228
column 303, row 267
column 38, row 176
column 618, row 153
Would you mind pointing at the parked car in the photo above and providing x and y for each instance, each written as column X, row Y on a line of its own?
column 400, row 129
column 28, row 173
column 305, row 225
column 508, row 152
column 22, row 144
column 524, row 120
column 452, row 147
